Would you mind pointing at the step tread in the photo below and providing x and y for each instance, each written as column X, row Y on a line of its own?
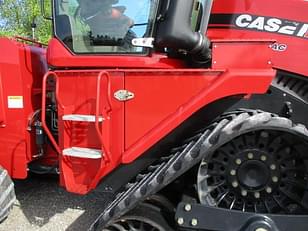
column 89, row 153
column 81, row 118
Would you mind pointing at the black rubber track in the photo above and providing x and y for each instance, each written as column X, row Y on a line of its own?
column 193, row 150
column 145, row 217
column 7, row 194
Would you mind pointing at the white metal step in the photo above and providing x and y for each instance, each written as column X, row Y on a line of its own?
column 81, row 118
column 83, row 153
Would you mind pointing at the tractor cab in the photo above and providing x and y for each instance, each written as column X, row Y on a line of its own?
column 118, row 27
column 114, row 62
column 104, row 27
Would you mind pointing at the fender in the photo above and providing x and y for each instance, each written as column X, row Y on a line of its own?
column 240, row 77
column 229, row 83
column 163, row 100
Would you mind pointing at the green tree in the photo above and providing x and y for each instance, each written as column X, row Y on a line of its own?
column 16, row 17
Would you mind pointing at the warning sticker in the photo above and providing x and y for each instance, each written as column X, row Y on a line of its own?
column 15, row 102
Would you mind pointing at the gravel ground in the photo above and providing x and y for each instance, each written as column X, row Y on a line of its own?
column 42, row 205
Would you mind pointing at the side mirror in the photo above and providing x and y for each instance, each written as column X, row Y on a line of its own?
column 175, row 30
column 43, row 9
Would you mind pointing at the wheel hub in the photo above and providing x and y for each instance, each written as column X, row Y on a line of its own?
column 253, row 174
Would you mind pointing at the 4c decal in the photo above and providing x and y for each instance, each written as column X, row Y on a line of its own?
column 279, row 47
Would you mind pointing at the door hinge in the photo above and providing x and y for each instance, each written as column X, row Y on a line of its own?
column 124, row 95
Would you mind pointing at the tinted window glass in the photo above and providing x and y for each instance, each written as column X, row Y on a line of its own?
column 104, row 26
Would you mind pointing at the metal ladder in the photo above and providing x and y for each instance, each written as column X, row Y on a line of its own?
column 98, row 119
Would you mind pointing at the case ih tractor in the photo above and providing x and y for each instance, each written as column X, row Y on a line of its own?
column 189, row 131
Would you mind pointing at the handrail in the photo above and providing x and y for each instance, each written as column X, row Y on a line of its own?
column 98, row 93
column 44, row 125
column 97, row 108
column 31, row 41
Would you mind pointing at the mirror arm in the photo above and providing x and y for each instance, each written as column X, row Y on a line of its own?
column 43, row 11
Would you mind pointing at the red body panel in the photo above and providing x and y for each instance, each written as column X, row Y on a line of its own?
column 166, row 93
column 77, row 95
column 285, row 21
column 59, row 56
column 164, row 98
column 157, row 95
column 21, row 71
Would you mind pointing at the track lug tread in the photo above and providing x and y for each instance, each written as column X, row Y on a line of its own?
column 181, row 159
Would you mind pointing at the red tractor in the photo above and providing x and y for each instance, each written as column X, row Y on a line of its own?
column 180, row 115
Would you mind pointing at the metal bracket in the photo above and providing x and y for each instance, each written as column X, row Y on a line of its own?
column 124, row 95
column 200, row 217
column 143, row 42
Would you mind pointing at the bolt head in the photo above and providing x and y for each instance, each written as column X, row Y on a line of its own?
column 238, row 161
column 257, row 195
column 244, row 193
column 275, row 179
column 234, row 184
column 233, row 172
column 273, row 167
column 187, row 207
column 269, row 190
column 194, row 222
column 250, row 155
column 263, row 158
column 180, row 220
column 261, row 229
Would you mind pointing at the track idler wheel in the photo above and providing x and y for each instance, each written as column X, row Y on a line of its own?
column 261, row 171
column 7, row 194
column 145, row 217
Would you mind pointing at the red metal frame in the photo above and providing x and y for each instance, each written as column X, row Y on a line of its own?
column 216, row 85
column 78, row 91
column 164, row 98
column 43, row 116
column 30, row 41
column 2, row 114
column 166, row 92
column 59, row 56
column 107, row 110
column 291, row 13
column 22, row 68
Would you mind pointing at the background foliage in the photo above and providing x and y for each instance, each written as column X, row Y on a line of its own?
column 16, row 17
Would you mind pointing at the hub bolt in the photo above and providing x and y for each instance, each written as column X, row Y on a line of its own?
column 273, row 167
column 232, row 172
column 234, row 184
column 275, row 179
column 250, row 155
column 187, row 207
column 244, row 193
column 180, row 220
column 238, row 161
column 257, row 195
column 269, row 190
column 194, row 222
column 261, row 229
column 263, row 158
